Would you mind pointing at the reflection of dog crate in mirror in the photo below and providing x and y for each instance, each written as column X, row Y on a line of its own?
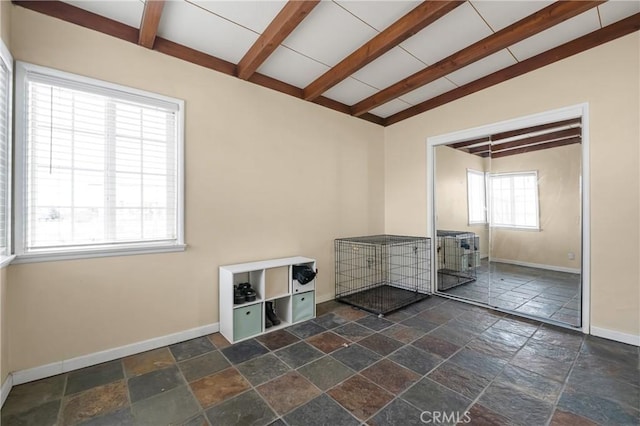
column 381, row 273
column 458, row 256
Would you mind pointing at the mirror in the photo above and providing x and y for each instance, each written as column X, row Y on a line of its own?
column 507, row 215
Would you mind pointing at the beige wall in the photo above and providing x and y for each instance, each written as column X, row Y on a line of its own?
column 559, row 203
column 5, row 32
column 267, row 176
column 606, row 77
column 451, row 192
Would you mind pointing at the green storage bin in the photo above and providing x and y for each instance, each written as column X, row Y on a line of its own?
column 303, row 306
column 247, row 321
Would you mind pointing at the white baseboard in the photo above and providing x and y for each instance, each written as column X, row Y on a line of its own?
column 630, row 339
column 48, row 370
column 5, row 389
column 538, row 265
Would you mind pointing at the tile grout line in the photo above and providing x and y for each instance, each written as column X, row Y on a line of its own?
column 424, row 376
column 62, row 398
column 566, row 380
column 251, row 386
column 477, row 399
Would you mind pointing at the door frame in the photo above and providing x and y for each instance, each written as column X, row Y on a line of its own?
column 574, row 111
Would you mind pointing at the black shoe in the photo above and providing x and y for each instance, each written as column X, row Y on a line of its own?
column 238, row 296
column 247, row 292
column 250, row 295
column 267, row 322
column 271, row 314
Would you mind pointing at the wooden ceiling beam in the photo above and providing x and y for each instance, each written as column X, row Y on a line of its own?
column 532, row 148
column 420, row 17
column 464, row 144
column 533, row 24
column 518, row 132
column 547, row 137
column 596, row 38
column 78, row 16
column 197, row 57
column 150, row 21
column 291, row 15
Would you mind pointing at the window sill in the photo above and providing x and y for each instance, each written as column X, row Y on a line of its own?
column 6, row 260
column 87, row 254
column 515, row 228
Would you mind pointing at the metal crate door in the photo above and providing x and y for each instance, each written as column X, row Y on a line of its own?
column 358, row 267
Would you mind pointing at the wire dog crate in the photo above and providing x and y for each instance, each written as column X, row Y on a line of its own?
column 382, row 273
column 458, row 258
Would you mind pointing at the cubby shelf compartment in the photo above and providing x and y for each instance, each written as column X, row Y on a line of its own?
column 273, row 282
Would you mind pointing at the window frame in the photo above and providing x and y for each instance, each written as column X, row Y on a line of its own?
column 485, row 204
column 537, row 201
column 7, row 60
column 22, row 70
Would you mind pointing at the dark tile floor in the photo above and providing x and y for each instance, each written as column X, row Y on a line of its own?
column 435, row 358
column 532, row 291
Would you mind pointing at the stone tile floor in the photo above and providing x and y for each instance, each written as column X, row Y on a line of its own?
column 347, row 367
column 532, row 291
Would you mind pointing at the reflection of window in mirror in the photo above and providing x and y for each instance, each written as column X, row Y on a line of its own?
column 476, row 195
column 514, row 200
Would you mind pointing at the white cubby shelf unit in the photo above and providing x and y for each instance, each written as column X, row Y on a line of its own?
column 272, row 281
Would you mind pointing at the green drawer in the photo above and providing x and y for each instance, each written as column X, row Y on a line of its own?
column 303, row 306
column 247, row 321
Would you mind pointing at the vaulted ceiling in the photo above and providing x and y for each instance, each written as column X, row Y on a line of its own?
column 382, row 61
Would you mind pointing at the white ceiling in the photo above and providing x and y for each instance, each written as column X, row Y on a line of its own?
column 334, row 29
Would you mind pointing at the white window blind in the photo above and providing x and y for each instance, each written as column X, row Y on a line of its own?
column 5, row 153
column 101, row 166
column 514, row 200
column 476, row 197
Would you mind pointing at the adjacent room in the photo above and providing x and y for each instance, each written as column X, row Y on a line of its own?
column 516, row 198
column 335, row 212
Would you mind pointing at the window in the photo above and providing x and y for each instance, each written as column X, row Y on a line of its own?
column 476, row 195
column 514, row 200
column 99, row 166
column 6, row 65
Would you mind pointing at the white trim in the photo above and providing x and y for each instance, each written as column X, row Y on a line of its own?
column 40, row 372
column 19, row 167
column 537, row 265
column 86, row 254
column 80, row 82
column 585, row 223
column 566, row 113
column 5, row 389
column 630, row 339
column 7, row 58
